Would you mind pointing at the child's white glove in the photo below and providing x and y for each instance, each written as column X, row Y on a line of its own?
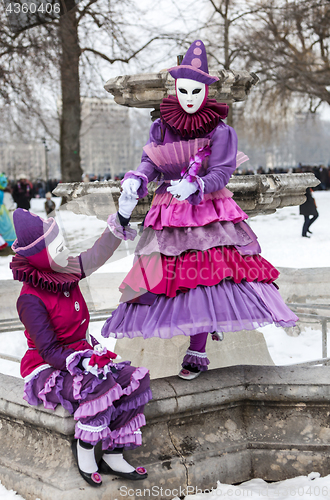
column 127, row 203
column 130, row 186
column 181, row 190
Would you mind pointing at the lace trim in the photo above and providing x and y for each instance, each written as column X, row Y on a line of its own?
column 196, row 353
column 91, row 428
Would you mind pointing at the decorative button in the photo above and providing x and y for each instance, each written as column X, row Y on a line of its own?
column 77, row 306
column 67, row 294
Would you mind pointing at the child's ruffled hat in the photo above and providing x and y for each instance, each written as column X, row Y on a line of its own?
column 33, row 233
column 194, row 65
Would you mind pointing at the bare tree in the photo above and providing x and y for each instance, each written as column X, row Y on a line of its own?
column 108, row 31
column 219, row 21
column 288, row 45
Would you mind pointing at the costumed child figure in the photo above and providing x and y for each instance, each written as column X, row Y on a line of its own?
column 7, row 231
column 197, row 268
column 60, row 367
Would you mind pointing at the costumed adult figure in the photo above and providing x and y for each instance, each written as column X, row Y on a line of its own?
column 197, row 268
column 7, row 230
column 60, row 366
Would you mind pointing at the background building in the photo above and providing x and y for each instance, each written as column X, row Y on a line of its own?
column 17, row 157
column 105, row 145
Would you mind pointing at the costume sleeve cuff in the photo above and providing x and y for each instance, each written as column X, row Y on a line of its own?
column 121, row 232
column 197, row 196
column 134, row 174
column 73, row 360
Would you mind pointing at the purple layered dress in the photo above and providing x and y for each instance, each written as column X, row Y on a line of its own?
column 197, row 266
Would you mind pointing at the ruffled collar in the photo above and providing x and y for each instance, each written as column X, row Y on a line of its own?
column 51, row 281
column 192, row 125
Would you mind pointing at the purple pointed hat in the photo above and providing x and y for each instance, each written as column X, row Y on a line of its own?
column 33, row 233
column 194, row 65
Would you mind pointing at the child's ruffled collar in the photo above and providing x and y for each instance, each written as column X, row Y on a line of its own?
column 50, row 280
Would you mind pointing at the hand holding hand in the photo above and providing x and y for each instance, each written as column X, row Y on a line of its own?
column 127, row 203
column 131, row 186
column 182, row 189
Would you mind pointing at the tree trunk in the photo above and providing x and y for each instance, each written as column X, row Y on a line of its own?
column 230, row 120
column 70, row 119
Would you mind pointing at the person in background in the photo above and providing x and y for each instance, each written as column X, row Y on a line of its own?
column 60, row 367
column 49, row 204
column 23, row 192
column 308, row 209
column 7, row 230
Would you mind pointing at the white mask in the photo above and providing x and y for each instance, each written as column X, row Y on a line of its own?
column 190, row 93
column 58, row 252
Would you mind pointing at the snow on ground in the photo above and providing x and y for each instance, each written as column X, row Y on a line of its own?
column 309, row 487
column 280, row 237
column 282, row 244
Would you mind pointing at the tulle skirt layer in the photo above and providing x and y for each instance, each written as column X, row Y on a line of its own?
column 225, row 307
column 163, row 275
column 176, row 240
column 168, row 212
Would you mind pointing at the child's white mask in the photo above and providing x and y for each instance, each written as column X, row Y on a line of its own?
column 191, row 94
column 58, row 252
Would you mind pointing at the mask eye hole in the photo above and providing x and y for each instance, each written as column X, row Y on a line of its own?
column 183, row 91
column 196, row 91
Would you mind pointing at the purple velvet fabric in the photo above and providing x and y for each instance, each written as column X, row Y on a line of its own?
column 226, row 307
column 99, row 253
column 198, row 342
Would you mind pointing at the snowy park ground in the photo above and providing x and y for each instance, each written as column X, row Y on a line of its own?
column 282, row 244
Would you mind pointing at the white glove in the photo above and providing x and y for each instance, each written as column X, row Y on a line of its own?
column 127, row 203
column 182, row 189
column 130, row 186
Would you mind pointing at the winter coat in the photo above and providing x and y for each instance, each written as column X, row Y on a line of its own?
column 22, row 194
column 309, row 207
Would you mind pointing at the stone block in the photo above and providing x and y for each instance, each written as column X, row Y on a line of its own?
column 231, row 424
